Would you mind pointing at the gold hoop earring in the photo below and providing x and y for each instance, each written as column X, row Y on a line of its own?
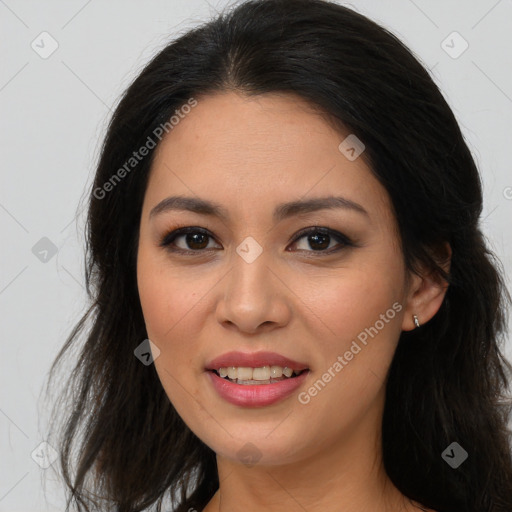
column 416, row 321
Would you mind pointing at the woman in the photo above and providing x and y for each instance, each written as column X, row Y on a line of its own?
column 293, row 306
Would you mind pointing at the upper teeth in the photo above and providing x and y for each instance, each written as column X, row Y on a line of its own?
column 262, row 373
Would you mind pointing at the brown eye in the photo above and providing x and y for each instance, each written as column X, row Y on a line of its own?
column 194, row 240
column 319, row 240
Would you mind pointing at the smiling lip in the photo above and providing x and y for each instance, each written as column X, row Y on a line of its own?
column 254, row 360
column 255, row 395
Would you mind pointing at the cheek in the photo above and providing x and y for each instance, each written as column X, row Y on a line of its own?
column 354, row 301
column 167, row 307
column 169, row 299
column 361, row 323
column 169, row 304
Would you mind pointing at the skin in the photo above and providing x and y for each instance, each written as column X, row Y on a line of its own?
column 249, row 154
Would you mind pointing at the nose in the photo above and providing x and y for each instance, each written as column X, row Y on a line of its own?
column 255, row 297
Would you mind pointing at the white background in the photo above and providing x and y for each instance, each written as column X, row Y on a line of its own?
column 53, row 116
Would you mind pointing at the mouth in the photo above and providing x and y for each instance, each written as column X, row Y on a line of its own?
column 255, row 379
column 256, row 393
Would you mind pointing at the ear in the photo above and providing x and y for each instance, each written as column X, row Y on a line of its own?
column 426, row 292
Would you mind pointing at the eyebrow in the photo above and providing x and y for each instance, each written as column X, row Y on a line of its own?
column 281, row 211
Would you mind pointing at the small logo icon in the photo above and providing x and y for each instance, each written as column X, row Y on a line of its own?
column 249, row 249
column 44, row 455
column 507, row 192
column 351, row 147
column 454, row 455
column 44, row 45
column 44, row 250
column 249, row 455
column 147, row 352
column 454, row 45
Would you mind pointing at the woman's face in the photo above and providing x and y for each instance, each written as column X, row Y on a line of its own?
column 331, row 298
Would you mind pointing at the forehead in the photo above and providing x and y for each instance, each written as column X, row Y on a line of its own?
column 247, row 152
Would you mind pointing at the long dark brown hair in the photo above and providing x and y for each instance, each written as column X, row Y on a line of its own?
column 448, row 381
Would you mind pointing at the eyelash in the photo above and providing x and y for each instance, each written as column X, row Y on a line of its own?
column 170, row 237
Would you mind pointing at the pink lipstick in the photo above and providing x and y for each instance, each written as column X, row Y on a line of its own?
column 245, row 391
